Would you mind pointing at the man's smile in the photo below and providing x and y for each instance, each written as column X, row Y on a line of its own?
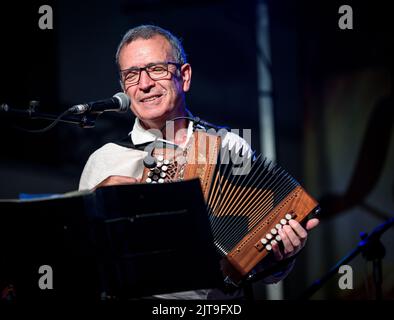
column 151, row 98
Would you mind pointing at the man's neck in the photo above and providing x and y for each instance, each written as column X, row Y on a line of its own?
column 174, row 131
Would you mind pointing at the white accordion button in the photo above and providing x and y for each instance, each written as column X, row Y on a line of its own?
column 268, row 236
column 278, row 238
column 268, row 247
column 166, row 162
column 159, row 164
column 162, row 174
column 274, row 242
column 288, row 216
column 274, row 231
column 164, row 168
column 278, row 226
column 283, row 221
column 161, row 180
column 160, row 158
column 264, row 241
column 148, row 180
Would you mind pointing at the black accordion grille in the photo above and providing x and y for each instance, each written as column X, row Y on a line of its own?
column 243, row 192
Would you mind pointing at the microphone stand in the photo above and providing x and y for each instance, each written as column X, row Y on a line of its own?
column 85, row 120
column 371, row 248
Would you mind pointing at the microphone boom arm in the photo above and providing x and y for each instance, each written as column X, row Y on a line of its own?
column 86, row 120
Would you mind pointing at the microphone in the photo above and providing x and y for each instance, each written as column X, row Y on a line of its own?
column 120, row 102
column 199, row 122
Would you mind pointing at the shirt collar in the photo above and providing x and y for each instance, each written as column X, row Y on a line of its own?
column 139, row 135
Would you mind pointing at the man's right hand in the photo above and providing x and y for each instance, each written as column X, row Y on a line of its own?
column 117, row 180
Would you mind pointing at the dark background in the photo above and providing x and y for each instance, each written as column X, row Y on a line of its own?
column 321, row 76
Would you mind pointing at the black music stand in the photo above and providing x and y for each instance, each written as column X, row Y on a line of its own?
column 118, row 242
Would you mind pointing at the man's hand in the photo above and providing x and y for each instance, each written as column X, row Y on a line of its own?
column 294, row 237
column 117, row 180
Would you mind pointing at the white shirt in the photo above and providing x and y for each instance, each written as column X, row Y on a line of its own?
column 113, row 159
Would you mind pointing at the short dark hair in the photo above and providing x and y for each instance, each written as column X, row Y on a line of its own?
column 148, row 32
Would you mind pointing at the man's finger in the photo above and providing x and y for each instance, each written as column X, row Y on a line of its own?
column 276, row 250
column 287, row 245
column 300, row 231
column 295, row 241
column 312, row 224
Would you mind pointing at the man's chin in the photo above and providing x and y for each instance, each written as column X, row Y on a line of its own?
column 154, row 118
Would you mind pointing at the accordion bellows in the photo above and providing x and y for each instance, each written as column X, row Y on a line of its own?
column 248, row 198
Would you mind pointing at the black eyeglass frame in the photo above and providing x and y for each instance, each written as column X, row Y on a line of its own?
column 123, row 73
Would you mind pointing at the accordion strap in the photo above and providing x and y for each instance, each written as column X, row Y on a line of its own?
column 202, row 161
column 197, row 160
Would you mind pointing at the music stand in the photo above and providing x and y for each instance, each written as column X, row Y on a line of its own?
column 121, row 242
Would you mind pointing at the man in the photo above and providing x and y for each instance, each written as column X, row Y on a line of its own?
column 155, row 75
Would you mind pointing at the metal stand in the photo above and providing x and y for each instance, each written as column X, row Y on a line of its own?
column 372, row 250
column 86, row 120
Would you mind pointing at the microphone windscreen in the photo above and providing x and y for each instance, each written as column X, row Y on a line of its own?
column 124, row 101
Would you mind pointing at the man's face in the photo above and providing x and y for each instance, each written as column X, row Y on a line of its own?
column 155, row 101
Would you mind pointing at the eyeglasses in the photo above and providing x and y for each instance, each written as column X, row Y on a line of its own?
column 156, row 71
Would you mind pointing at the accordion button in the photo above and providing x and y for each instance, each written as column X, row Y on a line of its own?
column 161, row 180
column 288, row 216
column 160, row 158
column 264, row 241
column 278, row 238
column 166, row 162
column 156, row 170
column 162, row 174
column 155, row 177
column 150, row 174
column 268, row 236
column 268, row 247
column 274, row 231
column 164, row 168
column 278, row 226
column 148, row 180
column 274, row 242
column 159, row 164
column 283, row 221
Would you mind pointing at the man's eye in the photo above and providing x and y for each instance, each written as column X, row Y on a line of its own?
column 131, row 75
column 157, row 69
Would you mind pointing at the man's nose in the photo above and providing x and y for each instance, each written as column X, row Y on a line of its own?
column 146, row 81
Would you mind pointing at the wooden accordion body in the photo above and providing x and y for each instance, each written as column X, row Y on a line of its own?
column 248, row 199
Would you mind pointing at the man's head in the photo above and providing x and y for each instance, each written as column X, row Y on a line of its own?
column 157, row 91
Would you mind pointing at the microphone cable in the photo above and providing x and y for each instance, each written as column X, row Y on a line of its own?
column 47, row 128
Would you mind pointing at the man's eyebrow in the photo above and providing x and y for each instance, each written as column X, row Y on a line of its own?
column 134, row 68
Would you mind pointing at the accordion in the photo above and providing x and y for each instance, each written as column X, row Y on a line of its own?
column 248, row 198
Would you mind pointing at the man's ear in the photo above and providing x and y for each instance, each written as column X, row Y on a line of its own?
column 186, row 74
